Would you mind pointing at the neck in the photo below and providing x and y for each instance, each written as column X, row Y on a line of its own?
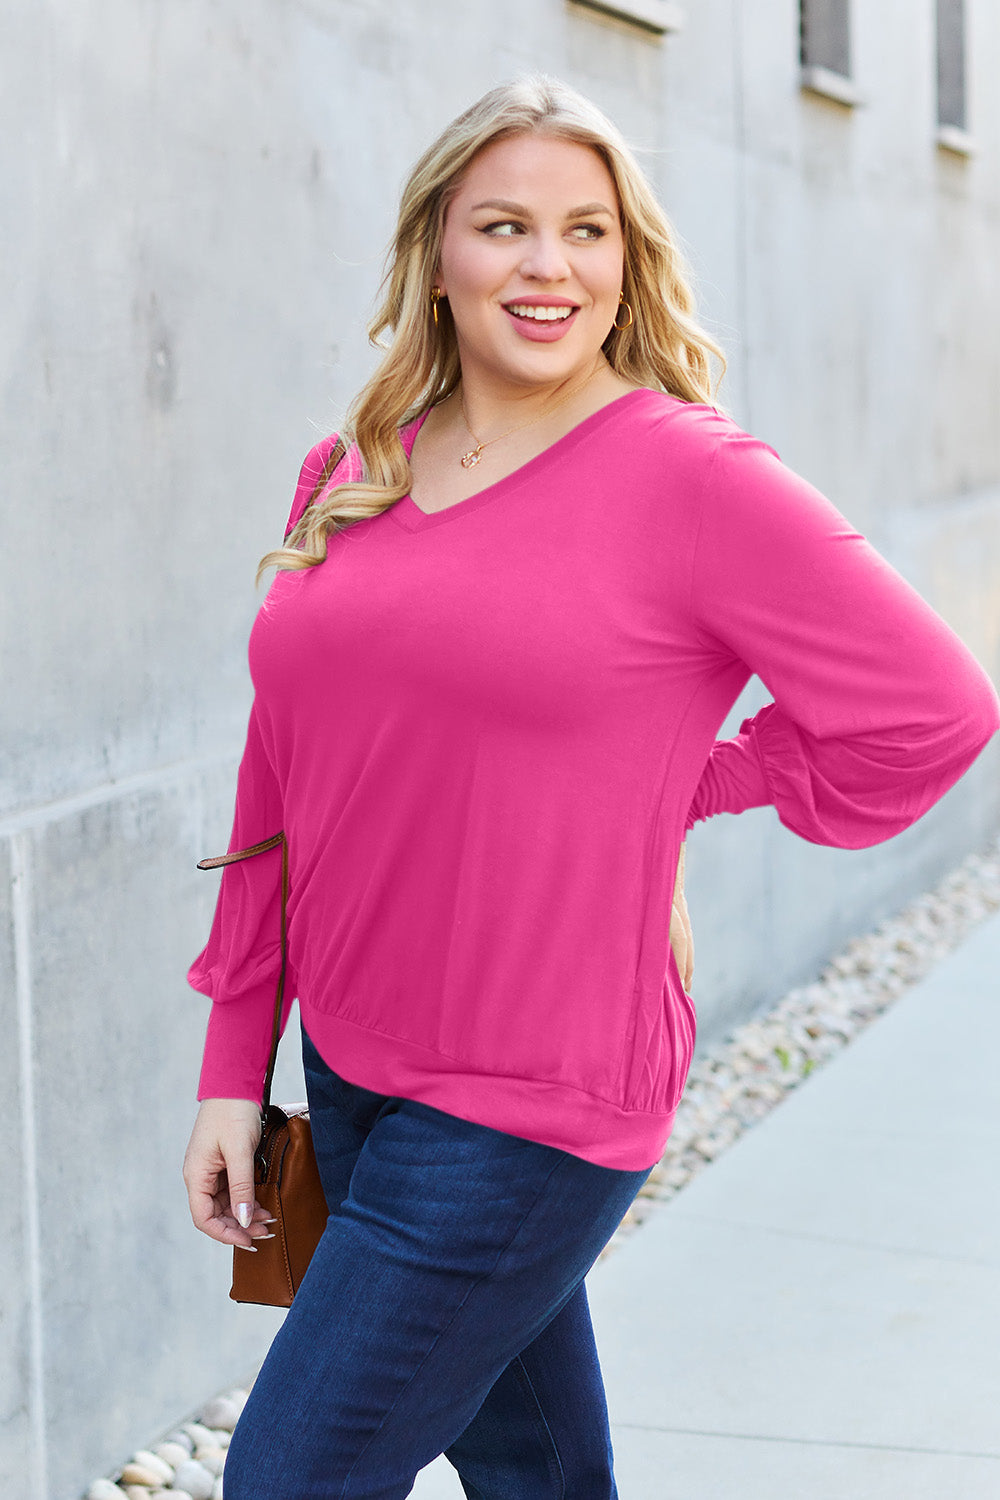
column 489, row 409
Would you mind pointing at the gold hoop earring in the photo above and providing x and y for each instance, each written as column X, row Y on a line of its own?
column 623, row 304
column 435, row 299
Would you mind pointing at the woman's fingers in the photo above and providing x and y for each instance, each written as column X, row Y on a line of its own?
column 208, row 1197
column 218, row 1172
column 682, row 941
column 689, row 963
column 239, row 1173
column 204, row 1212
column 681, row 936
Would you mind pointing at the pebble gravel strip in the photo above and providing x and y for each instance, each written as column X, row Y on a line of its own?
column 186, row 1465
column 728, row 1090
column 741, row 1080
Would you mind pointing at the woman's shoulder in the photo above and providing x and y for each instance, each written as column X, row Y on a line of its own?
column 700, row 446
column 697, row 426
column 332, row 457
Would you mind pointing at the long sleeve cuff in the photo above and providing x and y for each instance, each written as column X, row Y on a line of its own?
column 862, row 790
column 851, row 792
column 733, row 779
column 238, row 1045
column 879, row 707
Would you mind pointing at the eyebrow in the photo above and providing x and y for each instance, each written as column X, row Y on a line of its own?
column 505, row 206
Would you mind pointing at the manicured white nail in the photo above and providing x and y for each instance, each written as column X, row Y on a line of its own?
column 238, row 1246
column 244, row 1213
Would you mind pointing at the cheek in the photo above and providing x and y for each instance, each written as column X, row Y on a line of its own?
column 468, row 269
column 611, row 271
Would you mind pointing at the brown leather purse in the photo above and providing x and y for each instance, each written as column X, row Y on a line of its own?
column 286, row 1178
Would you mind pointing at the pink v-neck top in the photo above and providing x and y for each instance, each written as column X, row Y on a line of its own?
column 485, row 732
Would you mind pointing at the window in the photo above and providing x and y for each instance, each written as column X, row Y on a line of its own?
column 951, row 64
column 825, row 49
column 825, row 35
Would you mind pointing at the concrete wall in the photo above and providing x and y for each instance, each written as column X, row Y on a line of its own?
column 195, row 203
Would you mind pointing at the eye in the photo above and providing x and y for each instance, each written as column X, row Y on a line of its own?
column 588, row 231
column 502, row 229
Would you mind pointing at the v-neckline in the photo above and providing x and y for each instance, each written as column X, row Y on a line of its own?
column 409, row 515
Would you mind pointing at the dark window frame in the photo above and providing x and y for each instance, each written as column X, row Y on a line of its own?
column 825, row 36
column 952, row 72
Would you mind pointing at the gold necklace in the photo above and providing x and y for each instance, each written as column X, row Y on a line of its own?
column 470, row 459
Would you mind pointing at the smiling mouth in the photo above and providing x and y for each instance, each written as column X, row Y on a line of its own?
column 539, row 314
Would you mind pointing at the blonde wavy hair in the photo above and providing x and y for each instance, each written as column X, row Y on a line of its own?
column 663, row 348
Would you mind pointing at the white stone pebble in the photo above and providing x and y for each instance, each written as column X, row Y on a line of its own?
column 138, row 1474
column 213, row 1458
column 200, row 1435
column 181, row 1438
column 150, row 1463
column 217, row 1489
column 104, row 1489
column 239, row 1398
column 195, row 1478
column 222, row 1412
column 172, row 1453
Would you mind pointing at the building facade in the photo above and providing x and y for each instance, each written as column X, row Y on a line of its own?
column 195, row 212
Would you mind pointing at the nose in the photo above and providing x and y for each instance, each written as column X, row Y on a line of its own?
column 544, row 258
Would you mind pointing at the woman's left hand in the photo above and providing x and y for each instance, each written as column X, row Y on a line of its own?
column 681, row 936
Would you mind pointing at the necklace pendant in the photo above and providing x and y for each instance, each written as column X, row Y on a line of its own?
column 470, row 459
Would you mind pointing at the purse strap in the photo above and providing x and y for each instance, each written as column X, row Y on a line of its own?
column 215, row 863
column 337, row 452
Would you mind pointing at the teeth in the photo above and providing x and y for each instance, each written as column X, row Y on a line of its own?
column 540, row 314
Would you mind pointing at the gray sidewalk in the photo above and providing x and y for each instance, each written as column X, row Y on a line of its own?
column 818, row 1313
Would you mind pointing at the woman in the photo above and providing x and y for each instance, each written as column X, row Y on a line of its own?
column 489, row 674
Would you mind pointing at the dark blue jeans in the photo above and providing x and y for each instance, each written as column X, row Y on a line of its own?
column 444, row 1311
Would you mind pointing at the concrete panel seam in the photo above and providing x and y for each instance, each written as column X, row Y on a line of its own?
column 44, row 813
column 807, row 1442
column 741, row 216
column 21, row 913
column 841, row 1241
